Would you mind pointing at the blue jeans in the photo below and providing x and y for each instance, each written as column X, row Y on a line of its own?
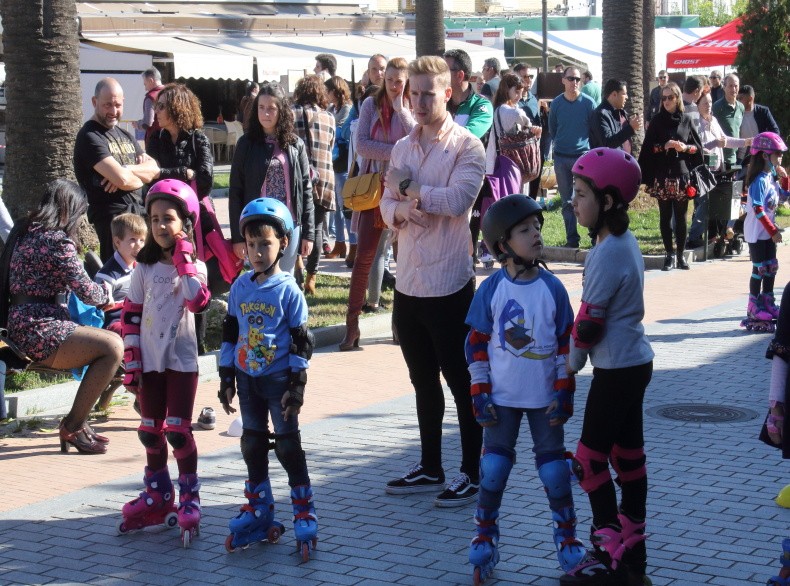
column 502, row 438
column 563, row 169
column 259, row 399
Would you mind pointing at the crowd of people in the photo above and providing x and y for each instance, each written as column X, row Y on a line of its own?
column 432, row 137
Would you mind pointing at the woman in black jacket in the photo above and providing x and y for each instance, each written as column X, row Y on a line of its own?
column 672, row 148
column 271, row 161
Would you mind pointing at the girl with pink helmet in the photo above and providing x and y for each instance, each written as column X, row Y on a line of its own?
column 759, row 228
column 608, row 329
column 169, row 285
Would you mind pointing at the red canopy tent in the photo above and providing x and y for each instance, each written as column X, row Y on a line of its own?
column 718, row 48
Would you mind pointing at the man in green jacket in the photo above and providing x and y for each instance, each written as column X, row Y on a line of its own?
column 467, row 108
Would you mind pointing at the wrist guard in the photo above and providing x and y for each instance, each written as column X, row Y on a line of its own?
column 561, row 407
column 297, row 380
column 183, row 258
column 227, row 380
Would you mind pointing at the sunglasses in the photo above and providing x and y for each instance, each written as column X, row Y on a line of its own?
column 574, row 79
column 662, row 77
column 668, row 98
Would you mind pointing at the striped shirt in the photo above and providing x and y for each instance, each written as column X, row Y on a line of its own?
column 322, row 134
column 436, row 261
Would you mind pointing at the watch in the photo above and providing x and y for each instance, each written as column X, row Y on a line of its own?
column 403, row 186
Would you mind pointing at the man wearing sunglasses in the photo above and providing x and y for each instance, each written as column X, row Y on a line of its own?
column 569, row 123
column 655, row 95
column 537, row 114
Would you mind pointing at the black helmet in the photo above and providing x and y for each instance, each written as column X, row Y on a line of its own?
column 502, row 216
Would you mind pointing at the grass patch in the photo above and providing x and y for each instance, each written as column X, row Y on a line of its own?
column 328, row 306
column 20, row 381
column 221, row 180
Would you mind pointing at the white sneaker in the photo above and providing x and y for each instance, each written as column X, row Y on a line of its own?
column 486, row 258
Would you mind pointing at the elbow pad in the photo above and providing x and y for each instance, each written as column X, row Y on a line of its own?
column 230, row 330
column 589, row 325
column 200, row 299
column 131, row 317
column 302, row 342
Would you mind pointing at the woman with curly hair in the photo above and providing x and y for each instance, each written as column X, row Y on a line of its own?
column 183, row 152
column 316, row 127
column 271, row 161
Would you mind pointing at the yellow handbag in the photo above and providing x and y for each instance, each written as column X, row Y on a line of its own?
column 363, row 192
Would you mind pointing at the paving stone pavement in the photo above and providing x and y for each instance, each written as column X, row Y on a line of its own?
column 712, row 519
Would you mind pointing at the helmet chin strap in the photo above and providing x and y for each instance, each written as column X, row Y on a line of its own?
column 269, row 270
column 525, row 264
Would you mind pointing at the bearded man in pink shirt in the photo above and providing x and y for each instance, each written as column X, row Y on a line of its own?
column 434, row 177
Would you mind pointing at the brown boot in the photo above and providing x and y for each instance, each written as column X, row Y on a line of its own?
column 351, row 340
column 309, row 284
column 352, row 254
column 338, row 250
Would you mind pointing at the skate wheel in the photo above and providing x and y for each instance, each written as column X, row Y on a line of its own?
column 476, row 578
column 229, row 544
column 273, row 534
column 186, row 538
column 171, row 520
column 305, row 551
column 121, row 527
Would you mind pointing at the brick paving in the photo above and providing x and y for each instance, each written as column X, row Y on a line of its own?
column 712, row 519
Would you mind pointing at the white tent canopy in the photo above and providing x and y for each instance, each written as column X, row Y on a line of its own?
column 231, row 57
column 583, row 47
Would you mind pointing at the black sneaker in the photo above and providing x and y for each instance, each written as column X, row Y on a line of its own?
column 416, row 480
column 459, row 491
column 207, row 419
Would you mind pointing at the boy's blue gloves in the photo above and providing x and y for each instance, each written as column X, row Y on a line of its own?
column 484, row 410
column 561, row 408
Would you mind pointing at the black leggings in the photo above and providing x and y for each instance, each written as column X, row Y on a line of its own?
column 613, row 415
column 666, row 210
column 318, row 234
column 432, row 332
column 759, row 252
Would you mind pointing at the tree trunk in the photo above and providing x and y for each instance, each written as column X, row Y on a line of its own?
column 43, row 111
column 648, row 50
column 622, row 49
column 429, row 20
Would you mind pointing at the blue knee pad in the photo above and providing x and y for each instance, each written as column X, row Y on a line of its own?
column 771, row 267
column 556, row 478
column 494, row 470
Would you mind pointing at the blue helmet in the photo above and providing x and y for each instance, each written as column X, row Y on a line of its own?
column 270, row 211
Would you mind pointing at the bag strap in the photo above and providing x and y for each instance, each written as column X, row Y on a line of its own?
column 5, row 270
column 496, row 135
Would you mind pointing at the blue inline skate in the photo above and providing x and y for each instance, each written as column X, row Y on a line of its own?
column 570, row 550
column 305, row 520
column 783, row 579
column 483, row 552
column 256, row 521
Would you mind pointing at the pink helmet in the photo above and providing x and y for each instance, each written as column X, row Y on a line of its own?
column 610, row 170
column 177, row 192
column 768, row 142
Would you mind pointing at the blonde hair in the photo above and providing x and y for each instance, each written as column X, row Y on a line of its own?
column 124, row 224
column 431, row 65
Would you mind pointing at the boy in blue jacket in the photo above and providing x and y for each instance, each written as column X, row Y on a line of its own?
column 265, row 351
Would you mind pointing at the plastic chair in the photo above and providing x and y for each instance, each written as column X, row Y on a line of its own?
column 235, row 130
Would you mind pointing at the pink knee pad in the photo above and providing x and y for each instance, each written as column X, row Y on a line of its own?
column 179, row 435
column 629, row 464
column 591, row 468
column 151, row 434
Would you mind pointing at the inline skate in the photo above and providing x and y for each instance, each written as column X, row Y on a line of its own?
column 305, row 520
column 483, row 552
column 189, row 507
column 758, row 318
column 255, row 522
column 154, row 506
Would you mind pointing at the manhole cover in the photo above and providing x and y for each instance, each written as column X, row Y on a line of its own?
column 702, row 413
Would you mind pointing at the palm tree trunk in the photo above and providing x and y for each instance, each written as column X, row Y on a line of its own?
column 43, row 111
column 622, row 48
column 429, row 17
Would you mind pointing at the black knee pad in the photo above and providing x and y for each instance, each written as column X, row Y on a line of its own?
column 255, row 445
column 288, row 449
column 149, row 439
